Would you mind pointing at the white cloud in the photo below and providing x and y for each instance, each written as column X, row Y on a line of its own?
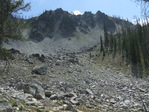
column 76, row 12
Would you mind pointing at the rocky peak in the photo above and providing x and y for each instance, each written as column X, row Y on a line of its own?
column 60, row 31
column 62, row 23
column 88, row 17
column 99, row 14
column 60, row 11
column 67, row 26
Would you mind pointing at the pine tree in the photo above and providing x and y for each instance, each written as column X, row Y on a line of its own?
column 106, row 42
column 111, row 42
column 101, row 45
column 9, row 26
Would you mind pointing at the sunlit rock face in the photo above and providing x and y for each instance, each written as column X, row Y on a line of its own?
column 61, row 31
column 51, row 23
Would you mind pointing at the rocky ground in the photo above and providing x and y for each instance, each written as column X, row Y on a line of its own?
column 68, row 83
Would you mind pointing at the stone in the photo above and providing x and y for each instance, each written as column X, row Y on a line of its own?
column 112, row 101
column 66, row 107
column 39, row 57
column 142, row 90
column 74, row 101
column 40, row 69
column 88, row 105
column 34, row 89
column 60, row 96
column 70, row 108
column 70, row 94
column 88, row 91
column 14, row 51
column 30, row 100
column 54, row 97
column 69, row 71
column 5, row 106
column 48, row 93
column 29, row 61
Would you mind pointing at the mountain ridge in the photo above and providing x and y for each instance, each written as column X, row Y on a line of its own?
column 67, row 24
column 60, row 31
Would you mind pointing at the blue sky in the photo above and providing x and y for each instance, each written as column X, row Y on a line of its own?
column 123, row 8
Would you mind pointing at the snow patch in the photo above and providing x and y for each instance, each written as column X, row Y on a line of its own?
column 77, row 12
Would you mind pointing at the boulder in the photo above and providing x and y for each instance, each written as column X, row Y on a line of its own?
column 48, row 93
column 14, row 51
column 70, row 94
column 88, row 91
column 60, row 96
column 65, row 107
column 40, row 69
column 30, row 100
column 69, row 107
column 34, row 89
column 29, row 61
column 74, row 101
column 39, row 57
column 57, row 96
column 54, row 97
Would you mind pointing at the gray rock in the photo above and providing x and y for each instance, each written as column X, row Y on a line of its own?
column 48, row 93
column 65, row 107
column 88, row 91
column 74, row 101
column 58, row 96
column 34, row 89
column 5, row 106
column 88, row 105
column 30, row 100
column 29, row 61
column 70, row 108
column 54, row 97
column 70, row 70
column 40, row 69
column 112, row 101
column 58, row 62
column 70, row 94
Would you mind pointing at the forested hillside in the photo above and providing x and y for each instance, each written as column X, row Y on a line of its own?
column 132, row 45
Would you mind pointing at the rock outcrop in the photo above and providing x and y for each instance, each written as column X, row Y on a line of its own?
column 62, row 32
column 61, row 22
column 40, row 69
column 34, row 89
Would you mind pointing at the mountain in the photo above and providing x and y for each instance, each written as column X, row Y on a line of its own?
column 74, row 82
column 61, row 31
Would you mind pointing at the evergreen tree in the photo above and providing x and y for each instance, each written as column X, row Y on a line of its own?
column 8, row 26
column 111, row 44
column 101, row 45
column 106, row 42
column 144, row 7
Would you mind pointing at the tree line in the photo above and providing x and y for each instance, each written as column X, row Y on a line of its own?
column 132, row 45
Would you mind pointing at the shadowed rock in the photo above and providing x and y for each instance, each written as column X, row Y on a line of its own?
column 40, row 69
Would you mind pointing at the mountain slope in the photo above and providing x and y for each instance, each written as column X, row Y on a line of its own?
column 73, row 80
column 60, row 31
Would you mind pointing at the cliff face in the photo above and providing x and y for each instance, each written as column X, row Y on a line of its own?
column 60, row 31
column 59, row 23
